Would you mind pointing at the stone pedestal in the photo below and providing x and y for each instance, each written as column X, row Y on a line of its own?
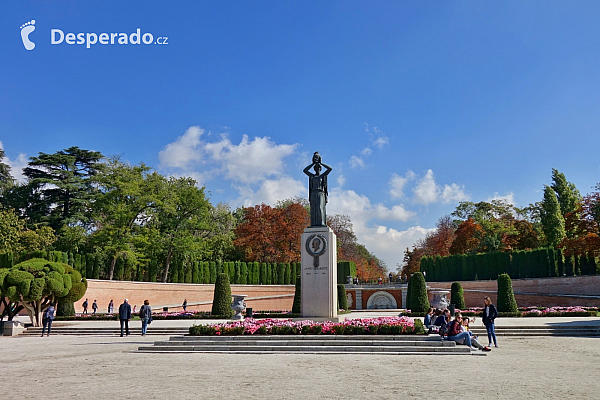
column 319, row 273
column 12, row 328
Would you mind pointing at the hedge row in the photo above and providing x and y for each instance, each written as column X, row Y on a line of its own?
column 540, row 263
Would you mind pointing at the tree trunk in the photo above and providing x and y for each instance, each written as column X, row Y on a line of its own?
column 167, row 264
column 111, row 269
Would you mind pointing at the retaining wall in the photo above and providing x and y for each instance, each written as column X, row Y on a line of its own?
column 199, row 297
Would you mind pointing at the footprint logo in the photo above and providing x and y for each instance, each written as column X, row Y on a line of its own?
column 26, row 29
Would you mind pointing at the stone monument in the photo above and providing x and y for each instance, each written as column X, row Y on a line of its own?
column 319, row 250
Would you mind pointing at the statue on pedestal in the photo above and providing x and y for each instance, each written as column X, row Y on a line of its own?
column 317, row 190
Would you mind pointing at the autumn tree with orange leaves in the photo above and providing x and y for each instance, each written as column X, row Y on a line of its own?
column 271, row 235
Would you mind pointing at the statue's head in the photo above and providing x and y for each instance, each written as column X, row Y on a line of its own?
column 317, row 169
column 316, row 157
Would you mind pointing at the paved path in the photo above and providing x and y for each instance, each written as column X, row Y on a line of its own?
column 59, row 367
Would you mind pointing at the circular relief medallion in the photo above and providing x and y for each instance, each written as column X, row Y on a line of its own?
column 316, row 245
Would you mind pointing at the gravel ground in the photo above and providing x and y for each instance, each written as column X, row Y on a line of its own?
column 59, row 367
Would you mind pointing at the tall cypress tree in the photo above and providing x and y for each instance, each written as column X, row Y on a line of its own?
column 222, row 297
column 551, row 217
column 567, row 194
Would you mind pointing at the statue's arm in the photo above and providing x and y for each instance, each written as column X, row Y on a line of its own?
column 306, row 170
column 327, row 167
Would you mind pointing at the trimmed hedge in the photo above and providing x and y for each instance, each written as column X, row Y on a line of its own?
column 222, row 297
column 506, row 297
column 456, row 296
column 539, row 263
column 341, row 295
column 417, row 288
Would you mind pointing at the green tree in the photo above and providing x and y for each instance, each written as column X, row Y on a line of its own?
column 65, row 182
column 297, row 305
column 341, row 295
column 553, row 222
column 567, row 194
column 183, row 219
column 457, row 296
column 222, row 297
column 37, row 283
column 418, row 293
column 506, row 297
column 127, row 203
column 6, row 179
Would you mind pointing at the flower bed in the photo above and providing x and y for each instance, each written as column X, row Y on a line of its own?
column 364, row 326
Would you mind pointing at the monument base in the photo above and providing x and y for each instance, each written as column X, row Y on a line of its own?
column 319, row 273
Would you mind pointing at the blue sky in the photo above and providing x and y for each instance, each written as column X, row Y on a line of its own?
column 415, row 105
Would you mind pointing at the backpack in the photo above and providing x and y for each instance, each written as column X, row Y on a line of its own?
column 444, row 329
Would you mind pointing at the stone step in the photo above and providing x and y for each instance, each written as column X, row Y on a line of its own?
column 433, row 338
column 306, row 348
column 298, row 342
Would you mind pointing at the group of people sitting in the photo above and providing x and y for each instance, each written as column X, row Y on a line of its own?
column 456, row 330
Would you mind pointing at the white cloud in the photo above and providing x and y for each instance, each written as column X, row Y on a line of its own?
column 183, row 152
column 398, row 182
column 271, row 191
column 360, row 208
column 341, row 180
column 356, row 162
column 16, row 165
column 385, row 242
column 250, row 161
column 509, row 198
column 366, row 151
column 381, row 141
column 427, row 191
column 453, row 193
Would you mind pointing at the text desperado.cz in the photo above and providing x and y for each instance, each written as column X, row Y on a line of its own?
column 57, row 37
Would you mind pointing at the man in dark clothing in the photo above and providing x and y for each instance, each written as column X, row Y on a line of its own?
column 85, row 306
column 94, row 307
column 125, row 316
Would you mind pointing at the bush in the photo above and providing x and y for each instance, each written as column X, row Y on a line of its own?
column 418, row 293
column 341, row 294
column 222, row 297
column 506, row 297
column 65, row 310
column 456, row 296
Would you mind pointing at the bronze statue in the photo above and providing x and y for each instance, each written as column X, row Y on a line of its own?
column 317, row 190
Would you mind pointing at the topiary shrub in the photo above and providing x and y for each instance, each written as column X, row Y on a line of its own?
column 408, row 306
column 456, row 296
column 341, row 294
column 297, row 305
column 36, row 283
column 418, row 293
column 506, row 297
column 222, row 297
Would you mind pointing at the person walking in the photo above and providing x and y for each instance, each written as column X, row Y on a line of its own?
column 391, row 277
column 184, row 305
column 146, row 316
column 47, row 319
column 85, row 306
column 111, row 307
column 490, row 313
column 94, row 307
column 125, row 316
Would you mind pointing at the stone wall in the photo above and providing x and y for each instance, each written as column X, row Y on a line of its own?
column 548, row 292
column 199, row 297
